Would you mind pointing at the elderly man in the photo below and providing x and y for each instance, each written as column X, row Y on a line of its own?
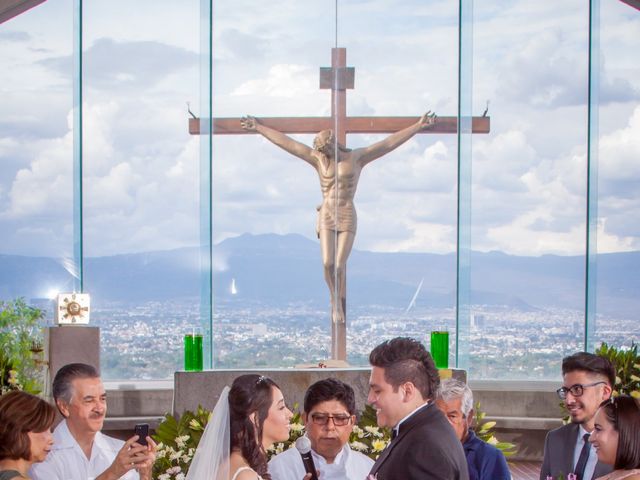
column 485, row 461
column 80, row 450
column 329, row 416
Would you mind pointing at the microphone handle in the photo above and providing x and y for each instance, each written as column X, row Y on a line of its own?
column 309, row 466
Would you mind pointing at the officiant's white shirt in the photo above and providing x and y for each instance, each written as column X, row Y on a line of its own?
column 348, row 465
column 67, row 461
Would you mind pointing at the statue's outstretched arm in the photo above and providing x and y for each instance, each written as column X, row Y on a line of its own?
column 393, row 141
column 283, row 141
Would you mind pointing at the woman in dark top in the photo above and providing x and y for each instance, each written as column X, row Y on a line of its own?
column 25, row 433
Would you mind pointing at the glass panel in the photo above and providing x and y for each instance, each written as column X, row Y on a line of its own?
column 271, row 300
column 206, row 179
column 141, row 237
column 266, row 59
column 529, row 187
column 465, row 134
column 402, row 271
column 618, row 140
column 592, row 173
column 36, row 178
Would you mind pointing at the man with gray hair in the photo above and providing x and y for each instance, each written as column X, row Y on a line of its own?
column 81, row 451
column 485, row 461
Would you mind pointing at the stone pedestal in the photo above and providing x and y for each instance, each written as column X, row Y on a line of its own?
column 203, row 388
column 71, row 344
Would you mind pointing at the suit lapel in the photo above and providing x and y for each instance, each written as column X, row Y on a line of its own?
column 569, row 447
column 416, row 419
column 383, row 456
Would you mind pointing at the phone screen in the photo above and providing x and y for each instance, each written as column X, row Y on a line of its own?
column 142, row 430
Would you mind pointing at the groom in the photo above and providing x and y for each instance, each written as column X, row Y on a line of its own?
column 403, row 384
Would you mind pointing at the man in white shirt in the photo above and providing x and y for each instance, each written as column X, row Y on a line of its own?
column 329, row 417
column 80, row 450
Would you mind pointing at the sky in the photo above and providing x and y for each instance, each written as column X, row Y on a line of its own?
column 142, row 64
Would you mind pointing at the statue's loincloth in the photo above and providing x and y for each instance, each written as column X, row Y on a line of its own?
column 342, row 219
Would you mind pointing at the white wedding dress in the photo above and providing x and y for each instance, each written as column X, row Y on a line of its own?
column 242, row 469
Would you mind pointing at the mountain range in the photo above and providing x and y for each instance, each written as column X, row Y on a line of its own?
column 278, row 269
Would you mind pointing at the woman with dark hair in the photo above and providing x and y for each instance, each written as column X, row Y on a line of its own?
column 616, row 437
column 248, row 418
column 25, row 433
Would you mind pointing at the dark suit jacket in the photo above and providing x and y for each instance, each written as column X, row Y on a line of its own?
column 559, row 448
column 426, row 448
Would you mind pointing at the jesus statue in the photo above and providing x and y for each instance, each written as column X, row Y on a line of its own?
column 339, row 170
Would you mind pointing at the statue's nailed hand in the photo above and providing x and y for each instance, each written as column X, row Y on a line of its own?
column 249, row 123
column 428, row 120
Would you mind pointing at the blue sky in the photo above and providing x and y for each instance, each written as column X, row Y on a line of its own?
column 142, row 168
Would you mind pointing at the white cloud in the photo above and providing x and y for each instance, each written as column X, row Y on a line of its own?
column 282, row 81
column 142, row 185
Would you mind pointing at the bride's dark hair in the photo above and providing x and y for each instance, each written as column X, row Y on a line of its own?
column 250, row 394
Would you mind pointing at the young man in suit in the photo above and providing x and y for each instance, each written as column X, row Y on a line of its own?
column 402, row 386
column 587, row 381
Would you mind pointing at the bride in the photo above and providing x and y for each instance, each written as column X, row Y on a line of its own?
column 248, row 418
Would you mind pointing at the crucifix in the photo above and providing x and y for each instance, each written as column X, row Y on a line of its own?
column 338, row 168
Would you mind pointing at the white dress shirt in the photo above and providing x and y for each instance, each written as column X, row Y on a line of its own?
column 396, row 429
column 348, row 465
column 67, row 461
column 593, row 456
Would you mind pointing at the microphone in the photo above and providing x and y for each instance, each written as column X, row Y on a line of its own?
column 303, row 444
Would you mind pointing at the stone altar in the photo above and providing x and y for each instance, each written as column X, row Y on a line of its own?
column 203, row 388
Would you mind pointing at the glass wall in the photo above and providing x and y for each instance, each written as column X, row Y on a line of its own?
column 618, row 203
column 271, row 303
column 140, row 170
column 36, row 155
column 529, row 188
column 146, row 179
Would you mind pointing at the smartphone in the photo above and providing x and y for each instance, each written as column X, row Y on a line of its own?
column 142, row 430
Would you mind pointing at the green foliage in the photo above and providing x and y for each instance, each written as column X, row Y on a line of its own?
column 484, row 431
column 627, row 364
column 367, row 437
column 177, row 440
column 20, row 340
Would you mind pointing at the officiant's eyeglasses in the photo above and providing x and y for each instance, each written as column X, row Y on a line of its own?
column 323, row 418
column 576, row 390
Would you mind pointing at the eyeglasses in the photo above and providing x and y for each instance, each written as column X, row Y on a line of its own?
column 576, row 390
column 323, row 419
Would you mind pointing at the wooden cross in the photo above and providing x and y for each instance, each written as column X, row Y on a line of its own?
column 338, row 78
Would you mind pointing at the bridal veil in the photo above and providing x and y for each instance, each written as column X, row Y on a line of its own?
column 211, row 460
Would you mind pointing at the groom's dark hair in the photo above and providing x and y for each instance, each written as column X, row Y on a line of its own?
column 406, row 360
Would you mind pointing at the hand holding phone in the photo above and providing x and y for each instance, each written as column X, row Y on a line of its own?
column 142, row 430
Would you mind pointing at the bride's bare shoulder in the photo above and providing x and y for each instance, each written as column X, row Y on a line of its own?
column 246, row 474
column 239, row 468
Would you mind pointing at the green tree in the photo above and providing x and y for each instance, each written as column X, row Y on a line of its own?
column 20, row 337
